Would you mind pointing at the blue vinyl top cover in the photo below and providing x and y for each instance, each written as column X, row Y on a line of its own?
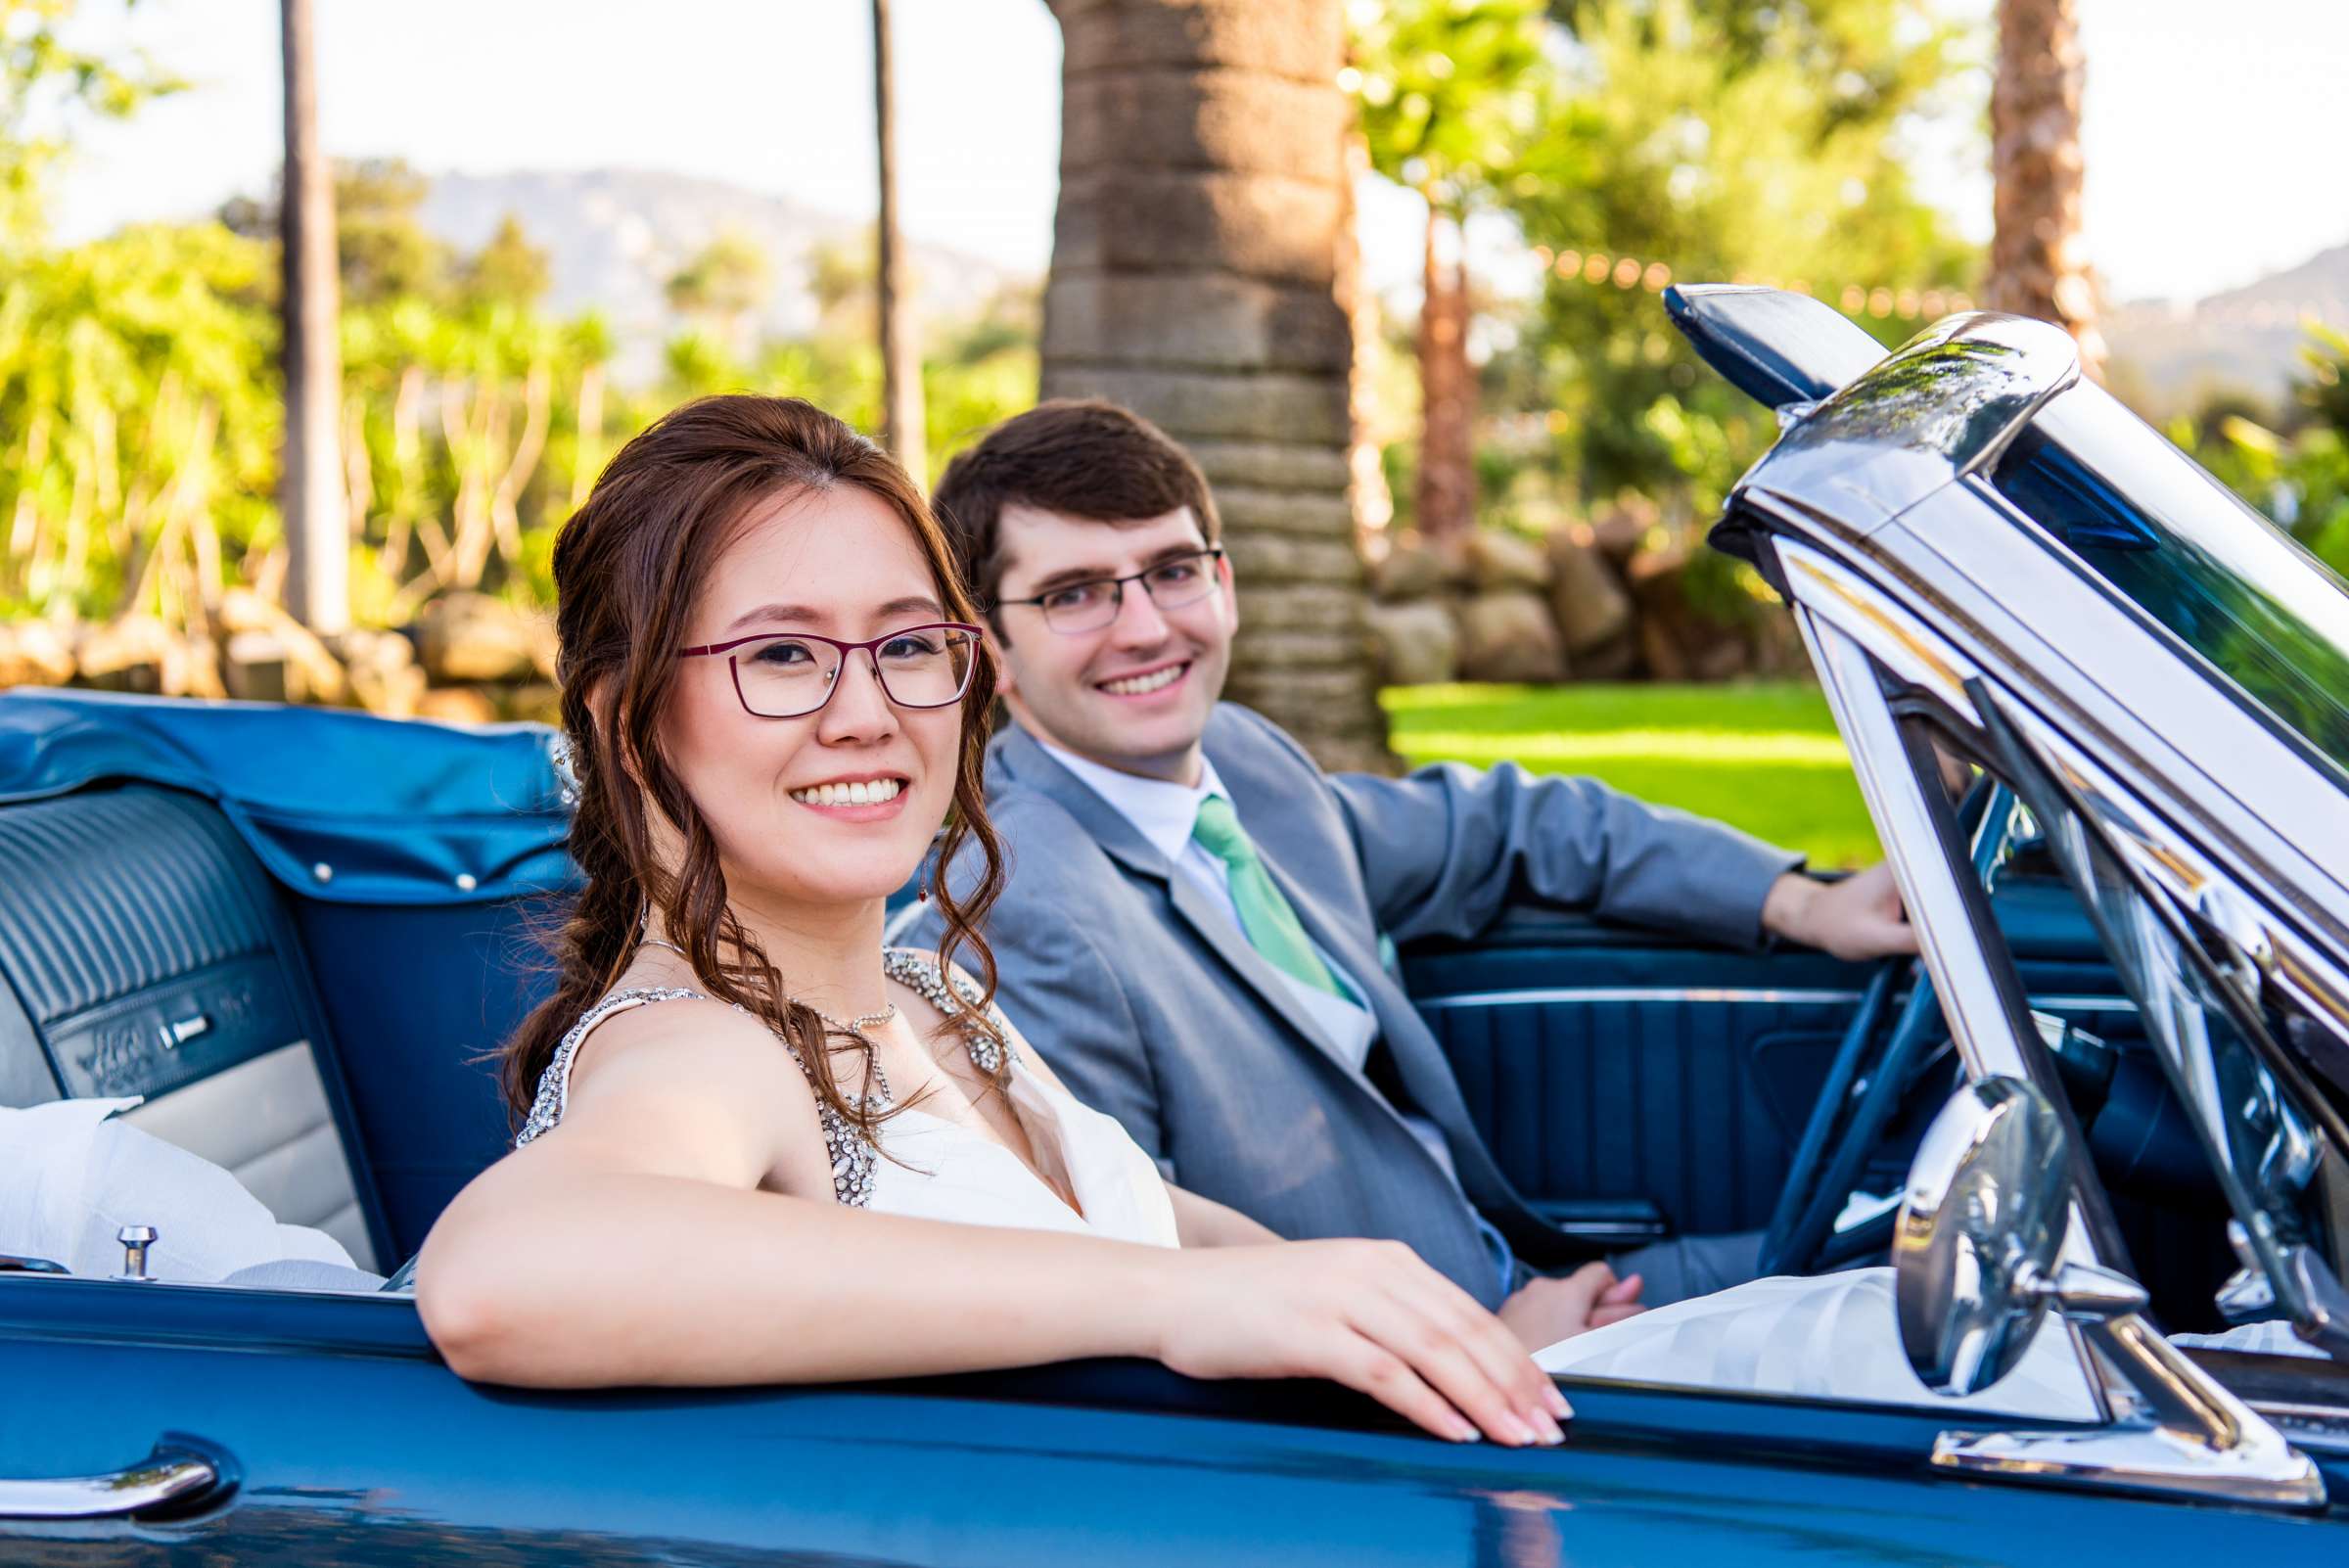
column 340, row 805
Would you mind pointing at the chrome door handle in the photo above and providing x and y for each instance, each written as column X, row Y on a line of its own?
column 179, row 1473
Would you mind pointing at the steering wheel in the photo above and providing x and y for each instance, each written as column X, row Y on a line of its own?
column 1873, row 1070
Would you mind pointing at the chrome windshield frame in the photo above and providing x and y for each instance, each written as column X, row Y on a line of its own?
column 1953, row 559
column 1854, row 630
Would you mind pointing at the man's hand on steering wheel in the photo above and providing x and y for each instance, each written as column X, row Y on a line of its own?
column 1858, row 917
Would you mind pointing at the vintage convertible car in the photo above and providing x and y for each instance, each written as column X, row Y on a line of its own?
column 2100, row 714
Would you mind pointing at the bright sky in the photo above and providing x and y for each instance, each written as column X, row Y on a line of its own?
column 2213, row 133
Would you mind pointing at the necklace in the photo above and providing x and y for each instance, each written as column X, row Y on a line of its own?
column 856, row 1026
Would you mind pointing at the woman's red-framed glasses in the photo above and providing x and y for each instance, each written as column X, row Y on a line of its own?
column 792, row 674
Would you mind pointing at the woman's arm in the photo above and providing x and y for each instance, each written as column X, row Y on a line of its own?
column 629, row 1246
column 1205, row 1222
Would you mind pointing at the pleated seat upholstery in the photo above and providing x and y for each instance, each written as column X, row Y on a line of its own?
column 146, row 953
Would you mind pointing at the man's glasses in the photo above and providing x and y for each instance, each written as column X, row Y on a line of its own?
column 792, row 675
column 1092, row 604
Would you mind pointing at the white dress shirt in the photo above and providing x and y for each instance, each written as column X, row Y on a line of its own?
column 1165, row 812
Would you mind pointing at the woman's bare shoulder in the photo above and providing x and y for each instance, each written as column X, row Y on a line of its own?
column 693, row 1081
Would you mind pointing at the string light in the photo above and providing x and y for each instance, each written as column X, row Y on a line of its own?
column 1887, row 301
column 1600, row 268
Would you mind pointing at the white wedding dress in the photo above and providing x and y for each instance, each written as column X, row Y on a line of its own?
column 929, row 1167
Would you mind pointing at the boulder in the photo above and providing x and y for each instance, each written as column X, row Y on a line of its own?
column 538, row 702
column 1416, row 644
column 255, row 667
column 472, row 637
column 457, row 705
column 1498, row 561
column 1413, row 570
column 312, row 672
column 1721, row 653
column 35, row 653
column 1655, row 577
column 383, row 675
column 1585, row 594
column 134, row 653
column 1660, row 650
column 1510, row 637
column 1623, row 527
column 1617, row 659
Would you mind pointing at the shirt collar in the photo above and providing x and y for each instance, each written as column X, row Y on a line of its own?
column 1162, row 812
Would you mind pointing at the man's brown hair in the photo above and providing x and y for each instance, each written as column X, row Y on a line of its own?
column 1079, row 457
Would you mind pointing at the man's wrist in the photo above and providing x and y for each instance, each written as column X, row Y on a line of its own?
column 1786, row 908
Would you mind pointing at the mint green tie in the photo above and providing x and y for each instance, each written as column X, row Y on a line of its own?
column 1271, row 924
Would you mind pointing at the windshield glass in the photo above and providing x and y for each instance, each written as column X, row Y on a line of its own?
column 2269, row 618
column 2201, row 1020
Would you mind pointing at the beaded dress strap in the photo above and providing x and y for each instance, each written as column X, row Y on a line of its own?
column 554, row 1084
column 918, row 972
column 851, row 1154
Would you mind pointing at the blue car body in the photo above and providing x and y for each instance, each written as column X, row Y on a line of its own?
column 388, row 876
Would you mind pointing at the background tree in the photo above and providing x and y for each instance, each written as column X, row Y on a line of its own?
column 1446, row 93
column 2038, row 257
column 1727, row 140
column 507, row 271
column 902, row 428
column 312, row 489
column 1193, row 280
column 723, row 285
column 46, row 87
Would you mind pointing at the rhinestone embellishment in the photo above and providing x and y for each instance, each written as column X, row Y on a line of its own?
column 854, row 1155
column 554, row 1084
column 918, row 972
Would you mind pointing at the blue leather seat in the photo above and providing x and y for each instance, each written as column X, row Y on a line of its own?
column 146, row 953
column 298, row 932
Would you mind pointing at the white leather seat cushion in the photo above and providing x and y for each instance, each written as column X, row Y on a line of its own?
column 266, row 1122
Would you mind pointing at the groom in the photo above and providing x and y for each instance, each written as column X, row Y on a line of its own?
column 1197, row 931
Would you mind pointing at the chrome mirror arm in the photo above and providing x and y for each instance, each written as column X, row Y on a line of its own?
column 2175, row 1429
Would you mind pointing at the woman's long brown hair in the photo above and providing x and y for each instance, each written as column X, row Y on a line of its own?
column 628, row 568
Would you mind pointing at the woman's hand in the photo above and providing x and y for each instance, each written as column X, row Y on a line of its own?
column 1369, row 1314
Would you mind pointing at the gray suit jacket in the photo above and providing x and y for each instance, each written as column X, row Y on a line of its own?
column 1149, row 1001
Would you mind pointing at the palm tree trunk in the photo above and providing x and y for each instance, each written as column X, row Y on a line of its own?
column 1366, row 483
column 1447, row 497
column 313, row 497
column 901, row 416
column 1194, row 280
column 2038, row 260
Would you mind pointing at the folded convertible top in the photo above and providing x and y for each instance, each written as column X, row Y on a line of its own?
column 340, row 805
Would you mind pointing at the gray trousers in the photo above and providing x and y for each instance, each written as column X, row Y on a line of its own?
column 1692, row 1266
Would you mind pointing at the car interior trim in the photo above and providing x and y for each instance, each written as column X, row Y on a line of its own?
column 1539, row 997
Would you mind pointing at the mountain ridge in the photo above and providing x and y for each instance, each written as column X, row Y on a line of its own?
column 613, row 236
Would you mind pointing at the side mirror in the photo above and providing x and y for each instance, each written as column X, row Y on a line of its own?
column 1975, row 1270
column 1981, row 1224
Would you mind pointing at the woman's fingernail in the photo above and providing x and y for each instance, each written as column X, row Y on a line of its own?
column 1551, row 1433
column 1521, row 1433
column 1466, row 1432
column 1558, row 1403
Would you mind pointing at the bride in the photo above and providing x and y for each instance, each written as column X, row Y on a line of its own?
column 755, row 1146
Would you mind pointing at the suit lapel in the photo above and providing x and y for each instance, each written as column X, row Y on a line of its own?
column 1420, row 1061
column 1024, row 762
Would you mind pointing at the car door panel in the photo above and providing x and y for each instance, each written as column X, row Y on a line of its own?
column 1605, row 1062
column 356, row 1447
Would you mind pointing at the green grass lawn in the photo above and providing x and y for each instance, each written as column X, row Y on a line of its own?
column 1763, row 756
